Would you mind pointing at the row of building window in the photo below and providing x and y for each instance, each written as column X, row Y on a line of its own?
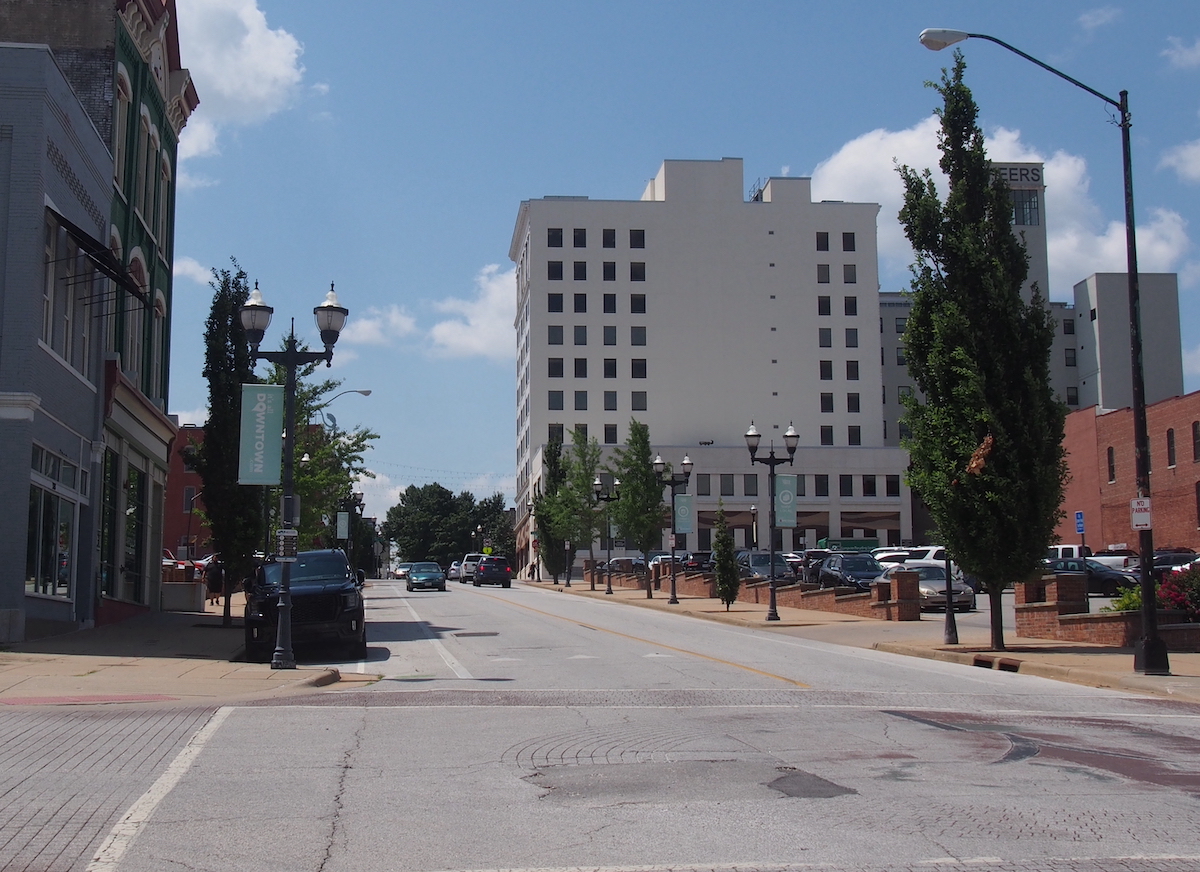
column 868, row 485
column 849, row 305
column 849, row 274
column 608, row 238
column 1171, row 456
column 853, row 403
column 555, row 334
column 557, row 432
column 825, row 337
column 823, row 241
column 826, row 370
column 637, row 401
column 556, row 368
column 554, row 271
column 637, row 303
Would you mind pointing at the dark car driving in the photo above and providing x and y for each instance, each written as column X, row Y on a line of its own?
column 327, row 605
column 493, row 570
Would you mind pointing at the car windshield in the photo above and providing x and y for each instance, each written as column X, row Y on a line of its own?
column 309, row 566
column 861, row 563
column 425, row 567
column 928, row 573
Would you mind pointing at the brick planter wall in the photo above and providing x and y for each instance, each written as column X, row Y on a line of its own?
column 1056, row 607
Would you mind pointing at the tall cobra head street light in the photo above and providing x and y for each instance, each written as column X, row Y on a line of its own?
column 606, row 496
column 674, row 481
column 256, row 318
column 791, row 439
column 1150, row 653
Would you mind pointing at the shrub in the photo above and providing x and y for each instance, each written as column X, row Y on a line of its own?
column 1182, row 591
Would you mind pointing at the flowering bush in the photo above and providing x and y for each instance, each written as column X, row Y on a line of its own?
column 1182, row 591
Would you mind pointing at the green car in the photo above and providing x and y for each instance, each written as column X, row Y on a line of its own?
column 428, row 575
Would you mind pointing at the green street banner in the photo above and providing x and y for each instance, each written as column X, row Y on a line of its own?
column 785, row 501
column 683, row 513
column 260, row 451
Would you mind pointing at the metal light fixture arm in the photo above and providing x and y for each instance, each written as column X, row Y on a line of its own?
column 791, row 439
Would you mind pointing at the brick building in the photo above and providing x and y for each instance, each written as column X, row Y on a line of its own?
column 1099, row 446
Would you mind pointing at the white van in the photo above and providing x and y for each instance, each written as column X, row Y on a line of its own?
column 1067, row 552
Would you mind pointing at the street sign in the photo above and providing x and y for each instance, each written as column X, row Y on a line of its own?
column 1079, row 522
column 1139, row 513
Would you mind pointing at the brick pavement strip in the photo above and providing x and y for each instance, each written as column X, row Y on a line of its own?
column 66, row 777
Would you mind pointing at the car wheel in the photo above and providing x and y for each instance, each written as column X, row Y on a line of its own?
column 408, row 587
column 442, row 588
column 506, row 584
column 475, row 582
column 258, row 651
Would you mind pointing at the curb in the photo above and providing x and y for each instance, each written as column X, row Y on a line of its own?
column 1071, row 674
column 324, row 678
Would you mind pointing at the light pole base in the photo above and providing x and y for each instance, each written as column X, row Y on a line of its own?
column 1150, row 656
column 283, row 664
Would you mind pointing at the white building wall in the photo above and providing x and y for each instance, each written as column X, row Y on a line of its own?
column 1102, row 334
column 732, row 327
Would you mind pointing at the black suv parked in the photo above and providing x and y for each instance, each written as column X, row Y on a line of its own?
column 327, row 605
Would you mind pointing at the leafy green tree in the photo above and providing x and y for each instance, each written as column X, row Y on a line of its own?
column 553, row 518
column 492, row 515
column 986, row 436
column 582, row 466
column 728, row 581
column 234, row 511
column 335, row 462
column 430, row 523
column 640, row 513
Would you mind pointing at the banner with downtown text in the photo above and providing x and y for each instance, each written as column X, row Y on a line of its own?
column 260, row 454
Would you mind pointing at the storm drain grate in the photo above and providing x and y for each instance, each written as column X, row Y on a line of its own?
column 466, row 635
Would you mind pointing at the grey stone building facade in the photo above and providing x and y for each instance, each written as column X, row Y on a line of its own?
column 94, row 98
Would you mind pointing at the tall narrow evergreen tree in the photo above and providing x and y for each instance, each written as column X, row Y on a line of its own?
column 986, row 434
column 553, row 523
column 640, row 513
column 726, row 568
column 235, row 513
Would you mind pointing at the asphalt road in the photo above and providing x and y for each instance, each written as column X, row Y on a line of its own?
column 524, row 729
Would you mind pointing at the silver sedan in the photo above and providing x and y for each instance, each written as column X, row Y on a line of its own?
column 931, row 582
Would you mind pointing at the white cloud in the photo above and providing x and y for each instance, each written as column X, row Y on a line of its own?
column 321, row 88
column 189, row 267
column 244, row 71
column 1185, row 160
column 199, row 416
column 1181, row 55
column 786, row 170
column 378, row 326
column 1079, row 241
column 1095, row 18
column 484, row 326
column 1191, row 361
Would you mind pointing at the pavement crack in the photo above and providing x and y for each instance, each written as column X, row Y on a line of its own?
column 336, row 831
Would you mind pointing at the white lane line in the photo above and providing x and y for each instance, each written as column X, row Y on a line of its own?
column 455, row 667
column 131, row 824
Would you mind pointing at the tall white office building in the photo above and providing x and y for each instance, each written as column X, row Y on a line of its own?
column 698, row 310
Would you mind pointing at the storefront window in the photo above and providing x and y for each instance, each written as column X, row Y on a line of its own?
column 133, row 586
column 49, row 554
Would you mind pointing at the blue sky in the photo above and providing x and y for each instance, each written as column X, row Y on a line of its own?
column 386, row 147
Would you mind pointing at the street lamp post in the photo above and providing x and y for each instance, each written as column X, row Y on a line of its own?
column 674, row 481
column 191, row 552
column 606, row 497
column 790, row 440
column 1150, row 653
column 255, row 318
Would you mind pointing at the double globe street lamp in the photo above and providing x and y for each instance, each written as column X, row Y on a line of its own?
column 606, row 496
column 791, row 439
column 674, row 481
column 256, row 318
column 1150, row 652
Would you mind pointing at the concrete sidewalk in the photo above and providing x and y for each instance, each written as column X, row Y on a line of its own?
column 1076, row 662
column 158, row 657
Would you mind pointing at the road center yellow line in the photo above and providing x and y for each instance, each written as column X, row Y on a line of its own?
column 579, row 623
